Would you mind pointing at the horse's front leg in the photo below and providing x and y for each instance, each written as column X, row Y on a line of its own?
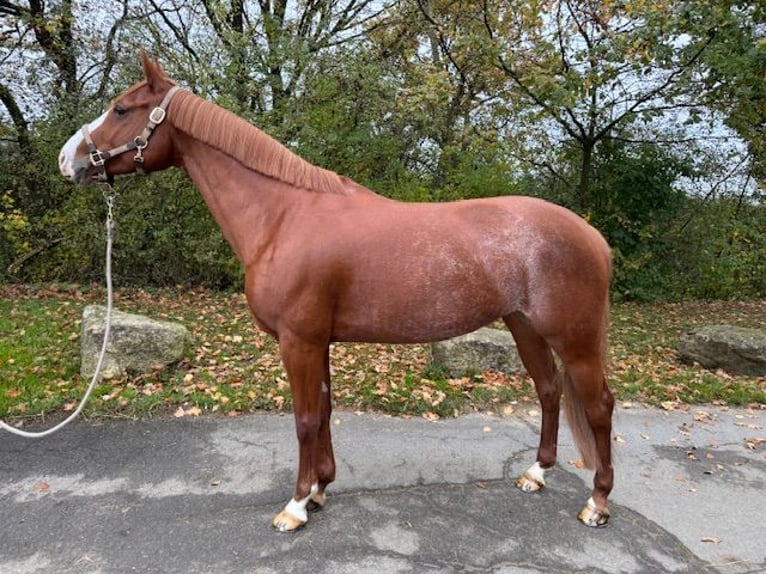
column 326, row 462
column 305, row 364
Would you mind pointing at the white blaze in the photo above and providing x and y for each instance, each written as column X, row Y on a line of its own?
column 68, row 152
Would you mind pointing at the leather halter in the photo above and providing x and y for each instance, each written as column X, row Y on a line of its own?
column 98, row 158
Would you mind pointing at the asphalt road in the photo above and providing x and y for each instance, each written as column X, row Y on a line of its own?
column 197, row 495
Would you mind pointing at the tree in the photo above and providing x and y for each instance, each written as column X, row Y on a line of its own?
column 263, row 48
column 735, row 68
column 581, row 72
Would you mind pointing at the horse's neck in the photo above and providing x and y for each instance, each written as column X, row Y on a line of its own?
column 243, row 202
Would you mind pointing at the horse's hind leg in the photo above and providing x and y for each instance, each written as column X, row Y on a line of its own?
column 538, row 360
column 590, row 405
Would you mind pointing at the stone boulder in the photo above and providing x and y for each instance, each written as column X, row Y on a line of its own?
column 734, row 349
column 482, row 350
column 136, row 343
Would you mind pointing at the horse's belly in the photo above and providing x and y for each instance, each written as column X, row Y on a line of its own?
column 418, row 315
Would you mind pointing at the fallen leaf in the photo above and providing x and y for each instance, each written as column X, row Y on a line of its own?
column 754, row 443
column 711, row 539
column 179, row 412
column 702, row 416
column 194, row 411
column 579, row 463
column 42, row 486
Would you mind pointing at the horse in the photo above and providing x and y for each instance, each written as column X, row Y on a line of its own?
column 328, row 260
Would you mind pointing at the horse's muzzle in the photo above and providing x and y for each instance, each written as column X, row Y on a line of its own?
column 76, row 170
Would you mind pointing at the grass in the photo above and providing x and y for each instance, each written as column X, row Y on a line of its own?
column 232, row 368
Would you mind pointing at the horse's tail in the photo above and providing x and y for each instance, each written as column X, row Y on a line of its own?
column 575, row 410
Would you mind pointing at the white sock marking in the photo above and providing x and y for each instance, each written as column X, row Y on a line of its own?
column 298, row 507
column 536, row 473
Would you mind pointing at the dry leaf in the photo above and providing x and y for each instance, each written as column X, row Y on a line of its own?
column 702, row 416
column 579, row 463
column 754, row 443
column 42, row 486
column 711, row 539
column 179, row 412
column 194, row 411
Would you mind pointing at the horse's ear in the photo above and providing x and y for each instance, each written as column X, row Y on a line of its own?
column 153, row 72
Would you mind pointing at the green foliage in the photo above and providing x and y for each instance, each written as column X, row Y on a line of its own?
column 634, row 203
column 719, row 250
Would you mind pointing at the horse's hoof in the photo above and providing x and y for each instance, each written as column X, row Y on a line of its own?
column 592, row 516
column 528, row 484
column 286, row 522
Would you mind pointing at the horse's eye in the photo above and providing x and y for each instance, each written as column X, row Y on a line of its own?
column 120, row 110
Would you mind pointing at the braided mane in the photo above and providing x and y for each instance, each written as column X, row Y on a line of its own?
column 247, row 144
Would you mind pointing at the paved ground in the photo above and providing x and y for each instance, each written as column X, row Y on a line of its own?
column 412, row 496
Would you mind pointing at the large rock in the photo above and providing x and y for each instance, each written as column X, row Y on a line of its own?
column 734, row 349
column 136, row 343
column 482, row 350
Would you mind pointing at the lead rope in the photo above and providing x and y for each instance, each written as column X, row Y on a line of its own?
column 109, row 197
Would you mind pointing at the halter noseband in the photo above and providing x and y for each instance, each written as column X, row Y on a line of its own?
column 98, row 158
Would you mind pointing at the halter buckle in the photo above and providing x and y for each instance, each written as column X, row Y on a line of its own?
column 157, row 116
column 98, row 158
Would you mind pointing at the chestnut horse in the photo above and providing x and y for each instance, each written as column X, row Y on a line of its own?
column 329, row 260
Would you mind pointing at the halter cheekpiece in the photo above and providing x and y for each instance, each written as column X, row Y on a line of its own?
column 98, row 158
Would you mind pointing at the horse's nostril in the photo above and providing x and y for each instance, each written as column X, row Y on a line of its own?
column 62, row 158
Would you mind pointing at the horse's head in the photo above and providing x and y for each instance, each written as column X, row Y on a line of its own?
column 124, row 139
